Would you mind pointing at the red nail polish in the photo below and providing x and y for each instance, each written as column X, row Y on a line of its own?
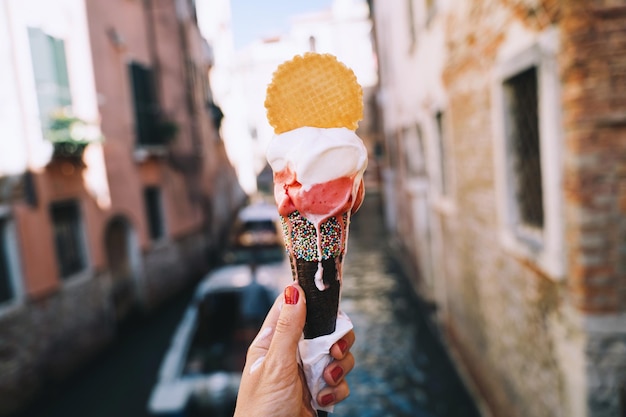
column 343, row 345
column 336, row 373
column 291, row 295
column 327, row 399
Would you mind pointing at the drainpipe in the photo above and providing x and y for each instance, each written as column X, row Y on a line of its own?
column 189, row 83
column 152, row 49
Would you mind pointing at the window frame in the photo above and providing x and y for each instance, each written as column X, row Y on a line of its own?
column 160, row 211
column 81, row 241
column 412, row 24
column 441, row 154
column 525, row 226
column 42, row 46
column 431, row 7
column 546, row 248
column 444, row 183
column 9, row 246
column 145, row 106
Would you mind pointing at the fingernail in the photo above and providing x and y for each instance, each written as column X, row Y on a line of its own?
column 327, row 399
column 336, row 373
column 291, row 295
column 343, row 345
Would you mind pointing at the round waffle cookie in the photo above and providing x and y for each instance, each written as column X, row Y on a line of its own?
column 314, row 90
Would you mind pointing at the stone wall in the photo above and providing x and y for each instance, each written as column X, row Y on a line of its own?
column 503, row 309
column 529, row 351
column 171, row 266
column 594, row 86
column 593, row 66
column 606, row 366
column 44, row 340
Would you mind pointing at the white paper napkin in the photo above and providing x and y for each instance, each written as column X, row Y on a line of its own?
column 315, row 356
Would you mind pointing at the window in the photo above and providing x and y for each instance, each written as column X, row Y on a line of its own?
column 68, row 238
column 7, row 292
column 411, row 22
column 154, row 212
column 622, row 254
column 443, row 156
column 10, row 273
column 415, row 156
column 431, row 10
column 527, row 123
column 254, row 133
column 51, row 77
column 312, row 44
column 522, row 135
column 145, row 104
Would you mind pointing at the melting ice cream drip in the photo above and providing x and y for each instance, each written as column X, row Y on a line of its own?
column 319, row 274
column 344, row 227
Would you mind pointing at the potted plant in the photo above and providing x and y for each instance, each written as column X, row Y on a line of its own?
column 70, row 135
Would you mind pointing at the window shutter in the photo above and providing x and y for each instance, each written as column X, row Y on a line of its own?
column 6, row 289
column 64, row 97
column 51, row 76
column 145, row 104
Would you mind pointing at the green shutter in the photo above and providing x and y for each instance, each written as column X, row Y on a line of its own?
column 64, row 97
column 51, row 77
column 145, row 105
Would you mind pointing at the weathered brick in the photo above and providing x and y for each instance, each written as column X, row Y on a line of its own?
column 500, row 298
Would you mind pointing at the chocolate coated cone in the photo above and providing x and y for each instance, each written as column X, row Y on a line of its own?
column 321, row 306
column 301, row 239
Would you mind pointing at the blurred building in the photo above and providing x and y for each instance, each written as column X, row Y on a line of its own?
column 505, row 175
column 240, row 81
column 115, row 188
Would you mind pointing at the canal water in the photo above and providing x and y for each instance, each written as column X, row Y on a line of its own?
column 401, row 367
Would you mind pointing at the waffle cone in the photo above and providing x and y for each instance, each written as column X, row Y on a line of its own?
column 301, row 240
column 313, row 90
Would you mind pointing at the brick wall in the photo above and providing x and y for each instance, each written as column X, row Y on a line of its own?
column 594, row 99
column 593, row 66
column 507, row 318
column 539, row 339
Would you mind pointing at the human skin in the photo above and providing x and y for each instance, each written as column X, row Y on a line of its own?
column 273, row 383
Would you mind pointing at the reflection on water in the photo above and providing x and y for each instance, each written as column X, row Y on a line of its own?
column 401, row 369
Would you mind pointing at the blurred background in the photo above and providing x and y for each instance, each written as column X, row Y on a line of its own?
column 139, row 243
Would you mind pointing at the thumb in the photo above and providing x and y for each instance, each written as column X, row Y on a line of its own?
column 290, row 323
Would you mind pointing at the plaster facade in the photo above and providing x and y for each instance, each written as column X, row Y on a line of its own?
column 90, row 237
column 534, row 317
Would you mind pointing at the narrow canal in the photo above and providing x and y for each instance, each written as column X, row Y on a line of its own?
column 401, row 367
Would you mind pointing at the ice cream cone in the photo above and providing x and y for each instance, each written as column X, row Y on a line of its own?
column 315, row 96
column 316, row 256
column 314, row 104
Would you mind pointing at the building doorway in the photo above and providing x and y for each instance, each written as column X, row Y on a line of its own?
column 123, row 259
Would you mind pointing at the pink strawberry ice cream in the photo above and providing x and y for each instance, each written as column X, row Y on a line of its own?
column 317, row 171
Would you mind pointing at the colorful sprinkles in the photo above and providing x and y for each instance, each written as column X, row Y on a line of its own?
column 300, row 235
